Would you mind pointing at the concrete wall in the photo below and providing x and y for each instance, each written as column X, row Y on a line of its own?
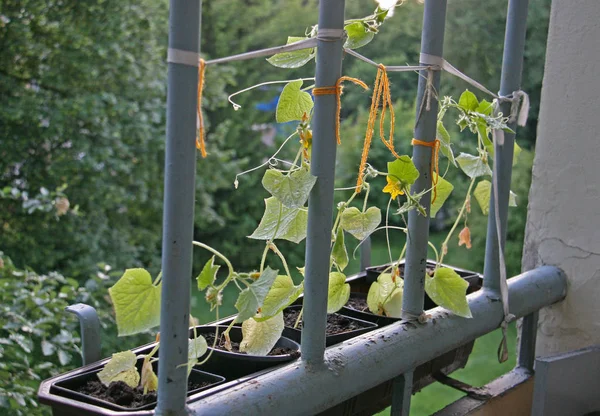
column 563, row 222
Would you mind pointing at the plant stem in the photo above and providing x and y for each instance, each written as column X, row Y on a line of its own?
column 299, row 318
column 460, row 214
column 285, row 265
column 387, row 233
column 264, row 257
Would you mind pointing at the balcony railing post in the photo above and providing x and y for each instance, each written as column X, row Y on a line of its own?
column 178, row 217
column 434, row 19
column 320, row 202
column 512, row 67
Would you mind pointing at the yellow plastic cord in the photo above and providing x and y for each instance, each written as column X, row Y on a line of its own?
column 200, row 135
column 435, row 151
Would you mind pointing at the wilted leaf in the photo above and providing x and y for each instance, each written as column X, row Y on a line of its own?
column 149, row 380
column 259, row 338
column 121, row 366
column 292, row 222
column 464, row 237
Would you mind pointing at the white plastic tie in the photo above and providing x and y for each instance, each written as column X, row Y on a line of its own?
column 179, row 56
column 331, row 35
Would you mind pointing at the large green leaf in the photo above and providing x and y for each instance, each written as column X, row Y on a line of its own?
column 292, row 222
column 259, row 337
column 338, row 293
column 121, row 367
column 403, row 169
column 468, row 101
column 291, row 190
column 293, row 103
column 448, row 290
column 385, row 296
column 252, row 298
column 338, row 252
column 358, row 35
column 473, row 166
column 360, row 224
column 444, row 188
column 208, row 274
column 136, row 301
column 482, row 195
column 283, row 293
column 294, row 59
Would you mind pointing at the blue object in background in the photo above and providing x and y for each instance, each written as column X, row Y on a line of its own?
column 269, row 105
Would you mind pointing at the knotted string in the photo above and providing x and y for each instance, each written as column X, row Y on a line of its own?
column 381, row 93
column 434, row 165
column 337, row 91
column 200, row 121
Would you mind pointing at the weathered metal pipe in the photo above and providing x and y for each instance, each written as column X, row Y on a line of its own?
column 364, row 362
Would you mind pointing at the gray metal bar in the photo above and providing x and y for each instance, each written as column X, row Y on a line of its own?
column 365, row 254
column 301, row 389
column 320, row 202
column 512, row 66
column 296, row 46
column 527, row 338
column 91, row 345
column 434, row 19
column 401, row 394
column 178, row 217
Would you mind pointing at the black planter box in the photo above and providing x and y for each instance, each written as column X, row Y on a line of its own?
column 235, row 365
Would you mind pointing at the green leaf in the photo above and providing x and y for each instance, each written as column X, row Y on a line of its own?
column 121, row 367
column 339, row 253
column 136, row 301
column 282, row 294
column 338, row 293
column 292, row 224
column 358, row 35
column 468, row 101
column 208, row 274
column 197, row 347
column 512, row 199
column 291, row 190
column 444, row 188
column 360, row 224
column 293, row 103
column 485, row 107
column 482, row 194
column 516, row 152
column 294, row 59
column 403, row 169
column 252, row 298
column 385, row 296
column 448, row 290
column 473, row 166
column 445, row 144
column 259, row 338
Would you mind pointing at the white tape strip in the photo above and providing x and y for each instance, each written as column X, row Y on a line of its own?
column 178, row 56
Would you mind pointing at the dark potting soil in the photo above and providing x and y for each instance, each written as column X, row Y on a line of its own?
column 235, row 346
column 358, row 304
column 119, row 393
column 336, row 324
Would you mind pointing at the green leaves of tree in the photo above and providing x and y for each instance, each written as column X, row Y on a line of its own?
column 473, row 166
column 360, row 224
column 404, row 170
column 358, row 35
column 338, row 293
column 251, row 298
column 208, row 274
column 291, row 190
column 121, row 367
column 282, row 294
column 137, row 302
column 294, row 59
column 293, row 103
column 259, row 337
column 448, row 290
column 279, row 221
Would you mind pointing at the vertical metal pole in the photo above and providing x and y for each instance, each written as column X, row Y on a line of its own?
column 401, row 394
column 320, row 203
column 512, row 67
column 432, row 43
column 178, row 217
column 527, row 339
column 365, row 254
column 91, row 345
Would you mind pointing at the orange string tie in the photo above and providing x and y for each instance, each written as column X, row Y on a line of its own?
column 200, row 134
column 381, row 94
column 337, row 91
column 435, row 152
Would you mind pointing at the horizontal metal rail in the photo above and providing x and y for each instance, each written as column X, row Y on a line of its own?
column 364, row 362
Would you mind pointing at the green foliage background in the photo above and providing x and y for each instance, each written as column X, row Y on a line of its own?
column 83, row 87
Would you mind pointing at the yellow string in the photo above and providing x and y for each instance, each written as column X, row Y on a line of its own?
column 337, row 91
column 200, row 135
column 434, row 165
column 381, row 93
